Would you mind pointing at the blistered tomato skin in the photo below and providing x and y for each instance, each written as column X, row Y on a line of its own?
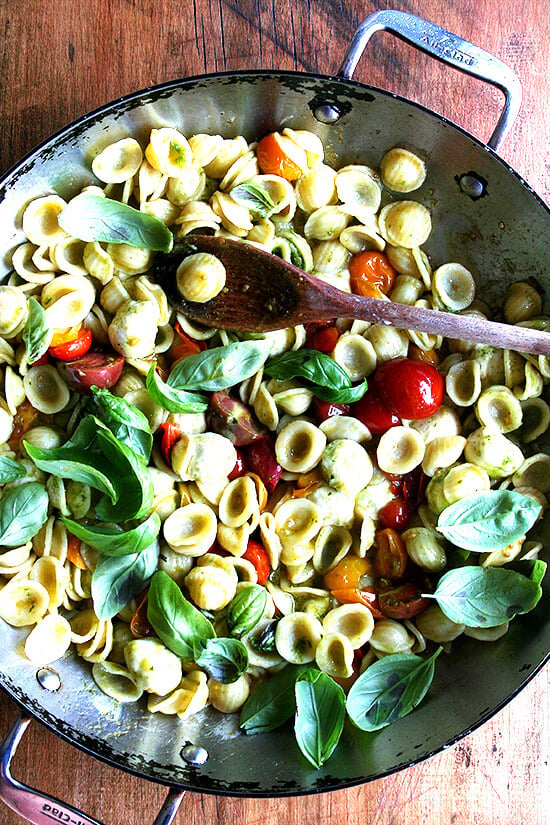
column 260, row 457
column 326, row 409
column 409, row 389
column 232, row 419
column 94, row 369
column 373, row 414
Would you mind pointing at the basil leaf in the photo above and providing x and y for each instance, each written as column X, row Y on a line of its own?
column 254, row 197
column 177, row 623
column 328, row 380
column 23, row 511
column 76, row 464
column 389, row 689
column 220, row 367
column 272, row 702
column 95, row 218
column 174, row 400
column 488, row 521
column 264, row 641
column 128, row 424
column 345, row 395
column 246, row 609
column 110, row 540
column 320, row 715
column 85, row 435
column 223, row 659
column 36, row 333
column 538, row 571
column 132, row 479
column 10, row 469
column 485, row 596
column 115, row 581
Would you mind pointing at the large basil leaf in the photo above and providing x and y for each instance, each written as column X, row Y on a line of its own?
column 246, row 609
column 94, row 218
column 115, row 581
column 328, row 380
column 23, row 511
column 389, row 689
column 36, row 333
column 171, row 399
column 220, row 367
column 128, row 424
column 111, row 540
column 177, row 623
column 320, row 715
column 485, row 596
column 488, row 521
column 76, row 464
column 223, row 659
column 10, row 469
column 254, row 197
column 272, row 702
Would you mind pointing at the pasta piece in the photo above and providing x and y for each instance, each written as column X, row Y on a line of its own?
column 522, row 302
column 400, row 450
column 46, row 390
column 297, row 637
column 434, row 625
column 332, row 543
column 346, row 466
column 239, row 502
column 453, row 285
column 345, row 426
column 13, row 311
column 463, row 383
column 405, row 223
column 535, row 419
column 212, row 583
column 534, row 472
column 133, row 330
column 23, row 602
column 334, row 655
column 390, row 636
column 190, row 697
column 388, row 342
column 23, row 261
column 424, row 549
column 402, row 170
column 49, row 640
column 299, row 446
column 229, row 698
column 354, row 621
column 152, row 666
column 50, row 573
column 356, row 355
column 40, row 220
column 359, row 185
column 14, row 391
column 200, row 277
column 326, row 224
column 442, row 452
column 297, row 522
column 116, row 681
column 191, row 530
column 169, row 152
column 491, row 450
column 498, row 407
column 465, row 480
column 316, row 188
column 406, row 290
column 67, row 300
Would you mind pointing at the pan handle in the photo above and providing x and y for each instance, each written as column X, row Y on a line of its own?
column 446, row 47
column 42, row 809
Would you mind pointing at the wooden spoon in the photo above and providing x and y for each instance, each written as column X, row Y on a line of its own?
column 263, row 292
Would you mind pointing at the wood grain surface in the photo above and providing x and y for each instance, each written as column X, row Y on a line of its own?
column 59, row 60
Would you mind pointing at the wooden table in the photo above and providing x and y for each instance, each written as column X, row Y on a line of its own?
column 59, row 60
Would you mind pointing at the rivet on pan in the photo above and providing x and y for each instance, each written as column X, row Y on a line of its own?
column 327, row 113
column 48, row 679
column 194, row 754
column 472, row 185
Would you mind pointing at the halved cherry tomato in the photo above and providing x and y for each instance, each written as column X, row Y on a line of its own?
column 411, row 487
column 323, row 340
column 327, row 409
column 40, row 361
column 347, row 573
column 274, row 155
column 356, row 595
column 408, row 388
column 241, row 465
column 170, row 433
column 140, row 625
column 74, row 348
column 26, row 416
column 62, row 336
column 233, row 419
column 73, row 552
column 371, row 269
column 373, row 414
column 395, row 514
column 261, row 460
column 389, row 554
column 257, row 555
column 94, row 369
column 403, row 601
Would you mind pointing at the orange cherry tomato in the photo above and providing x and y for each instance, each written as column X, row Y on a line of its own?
column 272, row 153
column 356, row 595
column 73, row 552
column 347, row 573
column 429, row 356
column 170, row 433
column 257, row 555
column 74, row 348
column 371, row 274
column 64, row 335
column 140, row 625
column 389, row 555
column 184, row 345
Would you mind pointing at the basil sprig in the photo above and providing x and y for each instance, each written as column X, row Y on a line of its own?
column 320, row 715
column 23, row 511
column 485, row 596
column 220, row 367
column 36, row 333
column 488, row 521
column 10, row 469
column 389, row 689
column 246, row 609
column 115, row 581
column 326, row 378
column 127, row 423
column 95, row 218
column 254, row 197
column 171, row 399
column 111, row 540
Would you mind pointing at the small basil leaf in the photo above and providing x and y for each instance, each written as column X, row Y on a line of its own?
column 75, row 464
column 489, row 521
column 115, row 581
column 110, row 540
column 171, row 399
column 177, row 623
column 220, row 367
column 254, row 197
column 320, row 715
column 23, row 511
column 10, row 469
column 36, row 333
column 126, row 422
column 317, row 367
column 95, row 218
column 223, row 659
column 485, row 596
column 264, row 641
column 345, row 395
column 272, row 702
column 246, row 609
column 389, row 689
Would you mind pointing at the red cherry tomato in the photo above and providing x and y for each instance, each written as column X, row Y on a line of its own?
column 408, row 388
column 241, row 465
column 233, row 419
column 395, row 514
column 323, row 340
column 41, row 361
column 257, row 555
column 373, row 414
column 403, row 601
column 94, row 369
column 356, row 595
column 170, row 433
column 261, row 460
column 389, row 555
column 326, row 409
column 73, row 349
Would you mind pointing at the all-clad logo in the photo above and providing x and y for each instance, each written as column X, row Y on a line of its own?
column 447, row 48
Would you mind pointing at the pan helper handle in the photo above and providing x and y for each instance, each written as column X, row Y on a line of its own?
column 446, row 47
column 42, row 809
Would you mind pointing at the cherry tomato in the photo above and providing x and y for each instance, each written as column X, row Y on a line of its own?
column 373, row 414
column 257, row 555
column 274, row 155
column 356, row 595
column 170, row 433
column 26, row 416
column 408, row 388
column 347, row 573
column 73, row 552
column 403, row 601
column 73, row 349
column 233, row 419
column 241, row 465
column 327, row 409
column 430, row 356
column 261, row 460
column 411, row 487
column 40, row 361
column 140, row 625
column 183, row 346
column 94, row 369
column 389, row 555
column 323, row 340
column 395, row 514
column 370, row 270
column 62, row 336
